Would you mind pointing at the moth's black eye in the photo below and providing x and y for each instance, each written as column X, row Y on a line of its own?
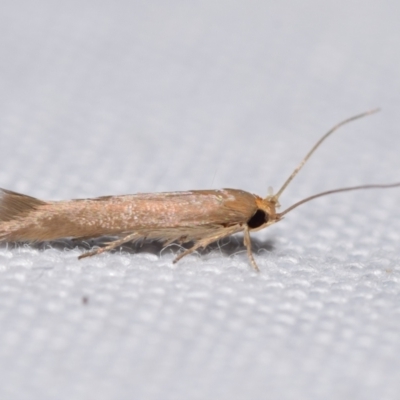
column 258, row 219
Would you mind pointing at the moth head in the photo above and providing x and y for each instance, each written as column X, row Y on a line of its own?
column 265, row 215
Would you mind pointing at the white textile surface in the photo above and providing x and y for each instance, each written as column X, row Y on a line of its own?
column 117, row 97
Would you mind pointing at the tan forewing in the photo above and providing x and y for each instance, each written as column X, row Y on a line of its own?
column 162, row 215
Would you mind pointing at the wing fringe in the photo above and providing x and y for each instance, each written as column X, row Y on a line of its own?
column 16, row 205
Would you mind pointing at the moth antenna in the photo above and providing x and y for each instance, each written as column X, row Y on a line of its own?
column 275, row 197
column 348, row 189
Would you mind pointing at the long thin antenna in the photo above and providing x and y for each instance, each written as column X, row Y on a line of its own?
column 315, row 147
column 348, row 189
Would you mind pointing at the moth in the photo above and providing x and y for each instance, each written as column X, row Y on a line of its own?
column 197, row 216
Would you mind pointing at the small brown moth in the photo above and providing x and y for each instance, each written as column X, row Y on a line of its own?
column 198, row 216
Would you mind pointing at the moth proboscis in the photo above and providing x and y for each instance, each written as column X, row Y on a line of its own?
column 197, row 216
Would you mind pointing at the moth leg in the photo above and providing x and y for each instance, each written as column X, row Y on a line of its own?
column 180, row 239
column 200, row 243
column 206, row 241
column 110, row 246
column 247, row 243
column 142, row 241
column 168, row 242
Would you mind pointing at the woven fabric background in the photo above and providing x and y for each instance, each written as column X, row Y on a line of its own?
column 117, row 97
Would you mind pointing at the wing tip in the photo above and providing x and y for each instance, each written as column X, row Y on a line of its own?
column 15, row 205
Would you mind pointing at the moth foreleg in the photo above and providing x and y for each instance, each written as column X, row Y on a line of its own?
column 247, row 243
column 110, row 246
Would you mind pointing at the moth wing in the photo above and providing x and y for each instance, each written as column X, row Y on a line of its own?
column 181, row 216
column 192, row 208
